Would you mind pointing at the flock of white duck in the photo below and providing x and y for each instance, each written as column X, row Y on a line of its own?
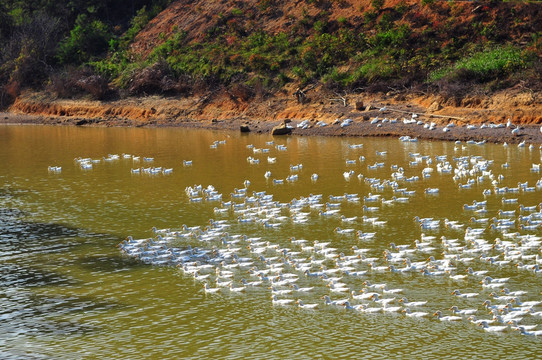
column 313, row 274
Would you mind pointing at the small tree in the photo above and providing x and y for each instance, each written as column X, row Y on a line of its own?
column 87, row 39
column 26, row 57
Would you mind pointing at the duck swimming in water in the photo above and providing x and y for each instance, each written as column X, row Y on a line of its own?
column 302, row 305
column 281, row 302
column 466, row 295
column 439, row 315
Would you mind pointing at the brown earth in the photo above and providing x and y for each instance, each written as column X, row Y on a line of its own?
column 221, row 110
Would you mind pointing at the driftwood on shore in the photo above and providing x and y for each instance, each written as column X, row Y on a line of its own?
column 301, row 93
column 426, row 114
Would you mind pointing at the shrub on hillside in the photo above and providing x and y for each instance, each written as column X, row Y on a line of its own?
column 63, row 84
column 95, row 85
column 154, row 79
column 73, row 82
column 185, row 85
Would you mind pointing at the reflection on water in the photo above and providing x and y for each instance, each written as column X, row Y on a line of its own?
column 69, row 292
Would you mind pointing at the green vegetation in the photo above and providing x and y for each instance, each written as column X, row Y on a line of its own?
column 88, row 39
column 84, row 47
column 484, row 65
column 41, row 41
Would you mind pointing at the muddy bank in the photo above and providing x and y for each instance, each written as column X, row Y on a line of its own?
column 475, row 120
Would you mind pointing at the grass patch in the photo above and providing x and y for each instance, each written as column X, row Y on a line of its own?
column 484, row 65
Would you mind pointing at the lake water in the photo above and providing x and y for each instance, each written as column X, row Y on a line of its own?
column 68, row 291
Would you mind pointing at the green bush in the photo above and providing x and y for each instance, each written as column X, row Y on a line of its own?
column 395, row 37
column 87, row 39
column 111, row 67
column 373, row 70
column 342, row 78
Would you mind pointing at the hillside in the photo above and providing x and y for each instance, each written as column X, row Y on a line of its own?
column 475, row 61
column 500, row 21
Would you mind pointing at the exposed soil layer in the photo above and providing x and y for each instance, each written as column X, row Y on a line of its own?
column 220, row 110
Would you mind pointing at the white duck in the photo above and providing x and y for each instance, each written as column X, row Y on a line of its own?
column 456, row 311
column 374, row 286
column 281, row 302
column 530, row 333
column 465, row 295
column 470, row 271
column 497, row 328
column 276, row 291
column 302, row 305
column 514, row 325
column 301, row 289
column 439, row 315
column 210, row 290
column 414, row 314
column 363, row 296
column 526, row 303
column 407, row 303
column 384, row 301
column 236, row 288
column 513, row 293
column 328, row 301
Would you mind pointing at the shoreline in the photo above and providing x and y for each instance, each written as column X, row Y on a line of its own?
column 406, row 115
column 529, row 134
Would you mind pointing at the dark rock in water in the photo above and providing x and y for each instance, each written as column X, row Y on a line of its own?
column 281, row 129
column 244, row 128
column 82, row 122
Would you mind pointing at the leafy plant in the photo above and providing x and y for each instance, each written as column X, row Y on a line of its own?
column 87, row 39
